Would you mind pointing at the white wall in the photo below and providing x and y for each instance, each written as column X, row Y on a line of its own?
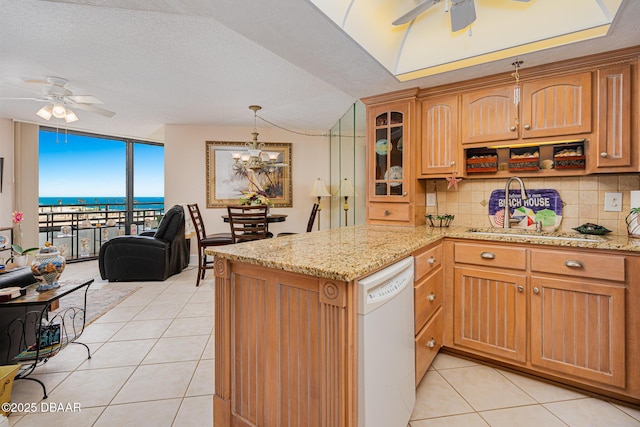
column 6, row 151
column 185, row 171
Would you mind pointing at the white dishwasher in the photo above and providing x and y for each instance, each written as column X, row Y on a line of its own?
column 386, row 347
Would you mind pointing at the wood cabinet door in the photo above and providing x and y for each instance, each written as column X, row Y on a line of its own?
column 439, row 145
column 489, row 115
column 388, row 152
column 557, row 106
column 578, row 329
column 490, row 312
column 613, row 145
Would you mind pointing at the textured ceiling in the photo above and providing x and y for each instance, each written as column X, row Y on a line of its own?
column 203, row 62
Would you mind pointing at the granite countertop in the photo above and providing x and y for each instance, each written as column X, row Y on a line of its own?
column 352, row 252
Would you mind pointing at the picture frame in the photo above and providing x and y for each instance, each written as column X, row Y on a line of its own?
column 228, row 180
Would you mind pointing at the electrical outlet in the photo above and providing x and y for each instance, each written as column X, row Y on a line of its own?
column 613, row 202
column 431, row 199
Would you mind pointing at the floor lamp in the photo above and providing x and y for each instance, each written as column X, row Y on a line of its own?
column 346, row 190
column 319, row 190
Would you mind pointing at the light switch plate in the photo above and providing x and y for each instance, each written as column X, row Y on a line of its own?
column 613, row 202
column 431, row 199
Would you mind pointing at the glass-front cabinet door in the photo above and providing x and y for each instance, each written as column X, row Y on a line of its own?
column 388, row 153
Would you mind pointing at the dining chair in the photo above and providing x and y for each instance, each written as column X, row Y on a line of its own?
column 247, row 222
column 312, row 220
column 205, row 241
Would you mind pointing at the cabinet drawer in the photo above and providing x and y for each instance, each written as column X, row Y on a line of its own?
column 427, row 298
column 576, row 263
column 428, row 343
column 428, row 261
column 390, row 211
column 491, row 255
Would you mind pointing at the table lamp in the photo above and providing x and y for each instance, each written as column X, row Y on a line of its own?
column 346, row 190
column 319, row 190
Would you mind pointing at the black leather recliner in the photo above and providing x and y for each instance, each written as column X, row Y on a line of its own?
column 146, row 258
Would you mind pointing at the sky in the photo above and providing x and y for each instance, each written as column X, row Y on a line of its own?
column 83, row 166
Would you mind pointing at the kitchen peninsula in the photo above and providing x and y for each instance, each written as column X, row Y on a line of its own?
column 286, row 314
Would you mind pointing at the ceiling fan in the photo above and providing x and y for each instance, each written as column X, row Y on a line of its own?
column 463, row 12
column 59, row 98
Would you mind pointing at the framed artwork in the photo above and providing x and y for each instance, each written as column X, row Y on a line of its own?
column 228, row 180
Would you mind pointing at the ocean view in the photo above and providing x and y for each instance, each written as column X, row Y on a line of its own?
column 116, row 203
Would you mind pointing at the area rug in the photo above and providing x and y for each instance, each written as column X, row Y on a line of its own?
column 99, row 301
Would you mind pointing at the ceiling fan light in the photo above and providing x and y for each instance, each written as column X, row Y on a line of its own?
column 59, row 111
column 45, row 112
column 70, row 116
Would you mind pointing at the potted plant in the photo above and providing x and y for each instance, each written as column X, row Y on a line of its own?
column 20, row 255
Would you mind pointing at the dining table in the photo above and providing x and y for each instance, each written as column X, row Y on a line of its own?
column 270, row 218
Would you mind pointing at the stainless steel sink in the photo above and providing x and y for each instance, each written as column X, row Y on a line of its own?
column 536, row 235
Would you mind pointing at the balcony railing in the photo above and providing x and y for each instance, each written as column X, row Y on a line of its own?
column 80, row 230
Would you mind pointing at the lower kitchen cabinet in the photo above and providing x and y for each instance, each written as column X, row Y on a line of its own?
column 428, row 299
column 566, row 314
column 577, row 328
column 490, row 314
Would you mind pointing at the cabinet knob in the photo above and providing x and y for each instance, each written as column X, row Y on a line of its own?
column 387, row 213
column 527, row 127
column 604, row 155
column 487, row 255
column 572, row 263
column 431, row 260
column 452, row 163
column 536, row 290
column 431, row 297
column 431, row 343
column 404, row 194
column 513, row 128
column 520, row 288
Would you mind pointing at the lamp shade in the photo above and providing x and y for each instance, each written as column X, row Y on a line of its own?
column 319, row 189
column 58, row 110
column 346, row 188
column 45, row 112
column 70, row 116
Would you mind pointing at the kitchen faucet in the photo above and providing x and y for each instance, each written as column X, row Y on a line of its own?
column 507, row 214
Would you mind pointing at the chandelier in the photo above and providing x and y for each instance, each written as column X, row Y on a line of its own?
column 255, row 158
column 58, row 110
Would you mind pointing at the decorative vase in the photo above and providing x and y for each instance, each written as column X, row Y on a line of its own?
column 47, row 267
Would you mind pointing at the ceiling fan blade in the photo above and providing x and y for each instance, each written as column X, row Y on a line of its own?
column 84, row 99
column 92, row 109
column 463, row 13
column 413, row 13
column 26, row 99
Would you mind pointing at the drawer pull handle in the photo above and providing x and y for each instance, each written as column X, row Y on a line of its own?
column 513, row 128
column 431, row 343
column 431, row 260
column 452, row 163
column 431, row 297
column 536, row 290
column 527, row 127
column 387, row 213
column 604, row 155
column 574, row 264
column 488, row 255
column 520, row 288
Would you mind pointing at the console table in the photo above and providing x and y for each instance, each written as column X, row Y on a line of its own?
column 30, row 334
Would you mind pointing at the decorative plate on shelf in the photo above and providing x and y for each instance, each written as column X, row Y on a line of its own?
column 3, row 241
column 395, row 172
column 589, row 228
column 382, row 147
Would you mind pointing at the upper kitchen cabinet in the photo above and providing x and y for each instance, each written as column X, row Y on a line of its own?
column 439, row 142
column 489, row 115
column 391, row 185
column 551, row 107
column 557, row 106
column 613, row 149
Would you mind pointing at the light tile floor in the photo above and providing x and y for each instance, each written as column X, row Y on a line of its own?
column 152, row 365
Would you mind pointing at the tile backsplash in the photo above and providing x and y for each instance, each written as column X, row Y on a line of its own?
column 582, row 197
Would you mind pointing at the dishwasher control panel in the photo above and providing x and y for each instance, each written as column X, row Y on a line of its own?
column 388, row 289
